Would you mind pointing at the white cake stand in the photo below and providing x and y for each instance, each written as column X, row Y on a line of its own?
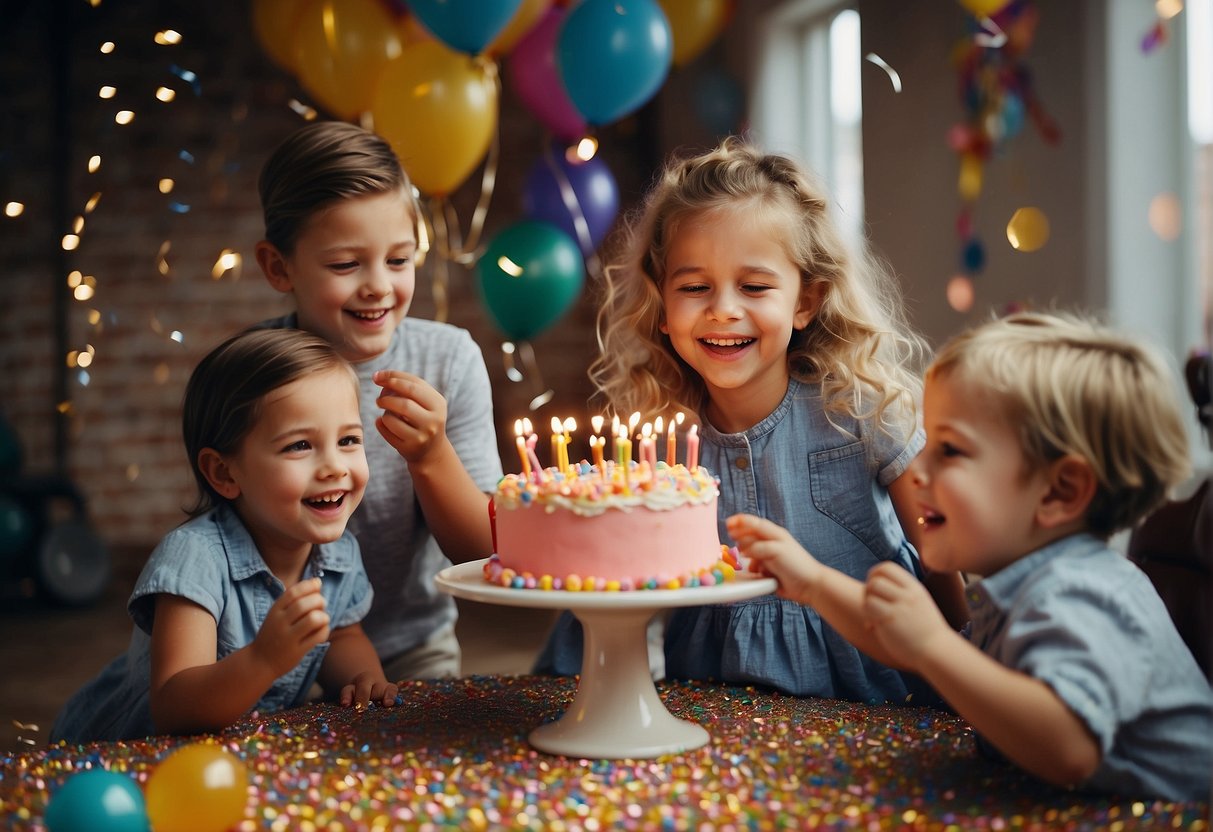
column 616, row 713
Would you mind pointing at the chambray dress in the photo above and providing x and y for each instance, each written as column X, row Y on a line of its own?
column 829, row 488
column 212, row 561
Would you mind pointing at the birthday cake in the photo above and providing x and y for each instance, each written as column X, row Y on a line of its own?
column 587, row 528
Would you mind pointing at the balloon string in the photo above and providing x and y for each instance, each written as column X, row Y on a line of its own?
column 573, row 206
column 527, row 353
column 441, row 275
column 507, row 354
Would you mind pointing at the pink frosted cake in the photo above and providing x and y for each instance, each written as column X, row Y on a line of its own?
column 585, row 531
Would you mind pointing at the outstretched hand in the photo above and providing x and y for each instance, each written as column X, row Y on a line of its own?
column 772, row 550
column 368, row 687
column 295, row 624
column 900, row 612
column 414, row 414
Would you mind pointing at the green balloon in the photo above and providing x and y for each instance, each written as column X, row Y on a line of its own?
column 529, row 276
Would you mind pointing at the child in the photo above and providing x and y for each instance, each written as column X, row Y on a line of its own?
column 1045, row 435
column 341, row 237
column 260, row 594
column 737, row 300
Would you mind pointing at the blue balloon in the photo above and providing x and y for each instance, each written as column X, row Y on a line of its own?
column 554, row 182
column 97, row 801
column 465, row 25
column 613, row 56
column 973, row 256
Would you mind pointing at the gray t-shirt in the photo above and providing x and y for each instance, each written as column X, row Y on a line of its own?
column 1087, row 622
column 400, row 553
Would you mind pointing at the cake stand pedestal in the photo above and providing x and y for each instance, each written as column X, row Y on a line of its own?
column 617, row 713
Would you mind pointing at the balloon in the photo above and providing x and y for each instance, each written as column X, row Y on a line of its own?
column 466, row 25
column 529, row 275
column 984, row 8
column 341, row 49
column 693, row 24
column 438, row 109
column 613, row 56
column 16, row 528
column 275, row 23
column 1028, row 229
column 553, row 181
column 534, row 78
column 97, row 801
column 523, row 21
column 198, row 788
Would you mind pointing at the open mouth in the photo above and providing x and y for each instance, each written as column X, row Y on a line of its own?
column 930, row 519
column 371, row 315
column 726, row 346
column 326, row 501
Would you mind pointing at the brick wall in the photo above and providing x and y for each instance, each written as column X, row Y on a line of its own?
column 147, row 329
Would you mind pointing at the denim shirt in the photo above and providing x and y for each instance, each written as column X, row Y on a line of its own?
column 212, row 561
column 1088, row 623
column 829, row 488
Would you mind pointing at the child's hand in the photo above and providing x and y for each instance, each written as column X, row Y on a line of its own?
column 294, row 625
column 368, row 686
column 900, row 613
column 772, row 550
column 414, row 414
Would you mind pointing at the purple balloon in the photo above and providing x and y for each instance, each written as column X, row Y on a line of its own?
column 558, row 191
column 534, row 78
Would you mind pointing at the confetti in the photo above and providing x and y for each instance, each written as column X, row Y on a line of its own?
column 453, row 754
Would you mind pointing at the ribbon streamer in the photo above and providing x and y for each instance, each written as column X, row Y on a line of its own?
column 569, row 197
column 526, row 352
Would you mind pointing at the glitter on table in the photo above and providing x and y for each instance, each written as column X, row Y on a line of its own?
column 453, row 754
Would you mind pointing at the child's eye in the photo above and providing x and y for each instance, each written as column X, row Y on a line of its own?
column 948, row 449
column 295, row 447
column 755, row 288
column 343, row 266
column 399, row 262
column 692, row 288
column 347, row 441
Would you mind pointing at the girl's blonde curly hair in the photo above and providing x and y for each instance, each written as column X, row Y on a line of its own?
column 859, row 350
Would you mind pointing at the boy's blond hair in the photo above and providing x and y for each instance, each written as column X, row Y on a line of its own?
column 859, row 350
column 1070, row 385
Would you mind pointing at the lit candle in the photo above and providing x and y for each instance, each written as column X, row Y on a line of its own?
column 596, row 443
column 570, row 425
column 648, row 447
column 521, row 444
column 557, row 438
column 671, row 446
column 532, row 441
column 693, row 448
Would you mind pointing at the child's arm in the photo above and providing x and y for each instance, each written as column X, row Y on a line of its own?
column 414, row 423
column 1021, row 716
column 946, row 588
column 192, row 692
column 804, row 579
column 352, row 668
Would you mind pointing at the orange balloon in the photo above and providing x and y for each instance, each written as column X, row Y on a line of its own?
column 984, row 8
column 694, row 24
column 198, row 788
column 341, row 47
column 523, row 21
column 438, row 109
column 275, row 23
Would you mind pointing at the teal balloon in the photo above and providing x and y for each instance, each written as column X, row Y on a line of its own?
column 613, row 56
column 97, row 801
column 464, row 25
column 529, row 276
column 16, row 528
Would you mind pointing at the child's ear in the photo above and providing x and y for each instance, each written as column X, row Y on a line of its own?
column 218, row 474
column 810, row 304
column 273, row 265
column 1071, row 487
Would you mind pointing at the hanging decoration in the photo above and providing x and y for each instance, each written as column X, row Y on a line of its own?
column 998, row 97
column 1159, row 34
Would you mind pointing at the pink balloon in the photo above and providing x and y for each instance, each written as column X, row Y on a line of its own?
column 535, row 79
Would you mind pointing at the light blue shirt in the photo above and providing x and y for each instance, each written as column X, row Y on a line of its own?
column 1087, row 622
column 212, row 561
column 828, row 487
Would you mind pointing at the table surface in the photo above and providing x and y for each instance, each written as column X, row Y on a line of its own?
column 453, row 754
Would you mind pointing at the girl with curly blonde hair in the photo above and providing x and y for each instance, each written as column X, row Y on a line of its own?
column 738, row 300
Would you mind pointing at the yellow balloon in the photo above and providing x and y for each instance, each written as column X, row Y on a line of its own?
column 438, row 109
column 1028, row 229
column 197, row 788
column 694, row 24
column 971, row 176
column 341, row 47
column 523, row 21
column 275, row 23
column 984, row 8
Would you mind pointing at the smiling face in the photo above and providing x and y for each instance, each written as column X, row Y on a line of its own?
column 976, row 497
column 352, row 272
column 732, row 297
column 301, row 471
